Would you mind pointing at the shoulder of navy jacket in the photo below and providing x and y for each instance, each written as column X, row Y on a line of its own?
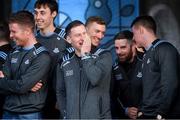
column 109, row 47
column 67, row 57
column 39, row 50
column 159, row 42
column 60, row 31
column 16, row 49
column 70, row 49
column 65, row 60
column 3, row 55
column 100, row 51
column 59, row 38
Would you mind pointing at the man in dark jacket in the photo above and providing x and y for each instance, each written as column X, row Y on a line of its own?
column 5, row 46
column 159, row 72
column 52, row 37
column 5, row 49
column 126, row 87
column 23, row 69
column 83, row 80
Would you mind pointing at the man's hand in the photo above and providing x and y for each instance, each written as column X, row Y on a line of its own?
column 1, row 74
column 37, row 86
column 86, row 47
column 132, row 112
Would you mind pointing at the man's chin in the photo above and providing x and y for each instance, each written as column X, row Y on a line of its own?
column 122, row 60
column 96, row 44
column 40, row 26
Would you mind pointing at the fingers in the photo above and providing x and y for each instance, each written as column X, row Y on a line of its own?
column 1, row 74
column 87, row 40
column 86, row 47
column 37, row 87
column 132, row 112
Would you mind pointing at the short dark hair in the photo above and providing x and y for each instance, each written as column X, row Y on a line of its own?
column 52, row 4
column 126, row 34
column 146, row 21
column 4, row 31
column 96, row 19
column 24, row 18
column 71, row 25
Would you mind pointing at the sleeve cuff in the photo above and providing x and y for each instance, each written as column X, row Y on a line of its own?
column 86, row 56
column 126, row 111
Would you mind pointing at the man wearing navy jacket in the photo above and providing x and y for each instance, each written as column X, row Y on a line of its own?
column 23, row 69
column 160, row 72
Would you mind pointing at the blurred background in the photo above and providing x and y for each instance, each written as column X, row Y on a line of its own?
column 118, row 14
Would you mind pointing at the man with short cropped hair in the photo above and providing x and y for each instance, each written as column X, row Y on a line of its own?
column 160, row 72
column 84, row 77
column 52, row 37
column 23, row 69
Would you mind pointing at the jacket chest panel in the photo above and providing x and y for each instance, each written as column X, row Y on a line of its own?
column 21, row 62
column 150, row 66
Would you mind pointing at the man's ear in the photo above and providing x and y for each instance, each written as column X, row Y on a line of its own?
column 141, row 29
column 54, row 13
column 68, row 39
column 27, row 31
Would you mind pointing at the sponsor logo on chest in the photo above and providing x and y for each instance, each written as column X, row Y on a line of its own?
column 56, row 50
column 119, row 77
column 139, row 75
column 14, row 60
column 148, row 60
column 58, row 38
column 26, row 62
column 69, row 73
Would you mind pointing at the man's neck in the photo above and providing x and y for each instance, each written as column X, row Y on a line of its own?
column 78, row 53
column 48, row 30
column 30, row 42
column 3, row 43
column 150, row 41
column 93, row 48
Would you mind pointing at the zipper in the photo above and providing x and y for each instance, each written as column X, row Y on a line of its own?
column 80, row 70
